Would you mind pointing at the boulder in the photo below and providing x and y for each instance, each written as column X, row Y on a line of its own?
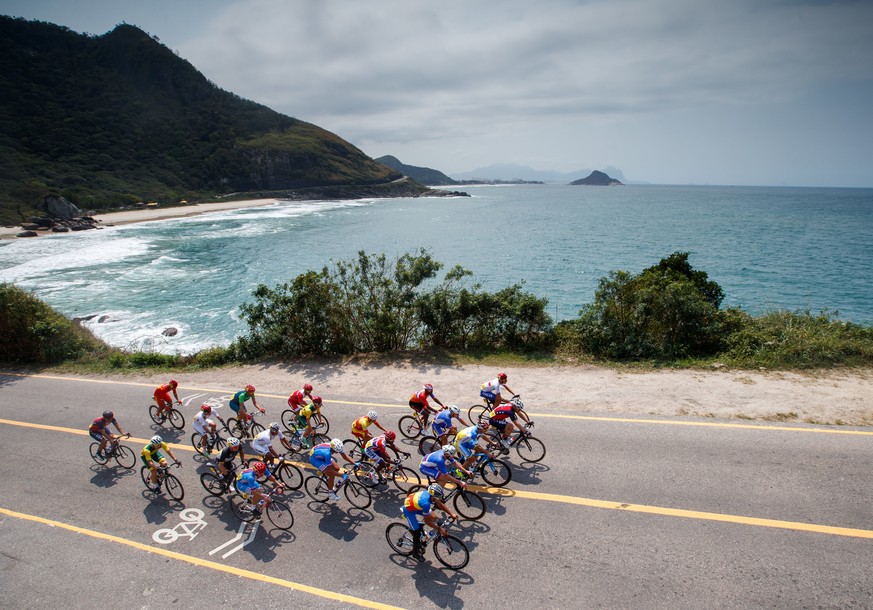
column 170, row 332
column 60, row 229
column 58, row 207
column 27, row 234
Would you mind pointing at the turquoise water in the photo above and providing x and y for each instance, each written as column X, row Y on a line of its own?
column 769, row 248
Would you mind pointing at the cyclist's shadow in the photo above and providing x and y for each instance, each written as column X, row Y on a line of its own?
column 439, row 585
column 339, row 523
column 160, row 508
column 108, row 476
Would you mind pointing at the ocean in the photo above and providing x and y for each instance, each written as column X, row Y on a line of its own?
column 768, row 248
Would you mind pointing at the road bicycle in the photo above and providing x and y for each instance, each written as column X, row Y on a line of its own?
column 480, row 411
column 123, row 455
column 529, row 448
column 450, row 550
column 469, row 504
column 355, row 447
column 214, row 440
column 278, row 513
column 357, row 494
column 402, row 477
column 168, row 480
column 174, row 416
column 244, row 427
column 493, row 471
column 411, row 426
column 217, row 484
column 301, row 444
column 318, row 422
column 290, row 475
column 430, row 443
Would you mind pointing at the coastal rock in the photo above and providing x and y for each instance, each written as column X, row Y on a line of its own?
column 59, row 207
column 103, row 319
column 170, row 332
column 27, row 234
column 60, row 229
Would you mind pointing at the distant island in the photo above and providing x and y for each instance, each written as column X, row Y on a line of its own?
column 597, row 178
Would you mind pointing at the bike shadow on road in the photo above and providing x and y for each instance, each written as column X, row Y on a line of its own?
column 528, row 473
column 109, row 476
column 168, row 434
column 338, row 522
column 438, row 584
column 219, row 509
column 159, row 507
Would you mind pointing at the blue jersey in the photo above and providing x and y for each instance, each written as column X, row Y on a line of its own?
column 247, row 481
column 444, row 418
column 436, row 459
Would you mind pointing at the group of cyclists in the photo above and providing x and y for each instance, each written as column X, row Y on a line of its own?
column 447, row 465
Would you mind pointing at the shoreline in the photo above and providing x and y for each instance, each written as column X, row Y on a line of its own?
column 124, row 217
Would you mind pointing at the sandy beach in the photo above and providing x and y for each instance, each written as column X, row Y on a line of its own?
column 147, row 214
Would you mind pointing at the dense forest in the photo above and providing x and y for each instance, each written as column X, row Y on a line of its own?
column 106, row 121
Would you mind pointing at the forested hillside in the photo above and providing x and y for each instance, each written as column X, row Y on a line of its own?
column 114, row 119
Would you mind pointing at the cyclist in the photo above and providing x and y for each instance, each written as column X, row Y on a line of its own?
column 225, row 458
column 297, row 399
column 442, row 423
column 377, row 453
column 321, row 456
column 247, row 483
column 238, row 404
column 151, row 457
column 433, row 466
column 418, row 403
column 263, row 443
column 99, row 430
column 304, row 417
column 491, row 390
column 162, row 396
column 505, row 418
column 422, row 503
column 360, row 425
column 205, row 427
column 466, row 441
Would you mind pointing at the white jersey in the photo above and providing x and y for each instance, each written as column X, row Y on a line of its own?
column 201, row 422
column 262, row 442
column 492, row 386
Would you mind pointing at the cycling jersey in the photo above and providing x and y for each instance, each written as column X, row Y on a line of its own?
column 239, row 400
column 375, row 449
column 442, row 421
column 295, row 401
column 419, row 503
column 320, row 456
column 247, row 480
column 434, row 464
column 490, row 389
column 466, row 440
column 419, row 399
column 305, row 413
column 359, row 428
column 162, row 394
column 201, row 422
column 501, row 413
column 228, row 455
column 263, row 441
column 99, row 424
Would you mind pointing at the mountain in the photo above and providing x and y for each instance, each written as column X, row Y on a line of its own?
column 422, row 175
column 597, row 179
column 110, row 120
column 509, row 172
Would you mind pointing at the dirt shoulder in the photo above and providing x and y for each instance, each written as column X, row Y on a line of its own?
column 829, row 397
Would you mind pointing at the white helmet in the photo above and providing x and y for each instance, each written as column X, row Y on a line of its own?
column 233, row 441
column 455, row 409
column 156, row 440
column 435, row 490
column 337, row 445
column 372, row 414
column 449, row 450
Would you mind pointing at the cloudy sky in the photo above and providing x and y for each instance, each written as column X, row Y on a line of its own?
column 744, row 92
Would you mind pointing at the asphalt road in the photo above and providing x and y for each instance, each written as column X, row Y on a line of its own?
column 622, row 512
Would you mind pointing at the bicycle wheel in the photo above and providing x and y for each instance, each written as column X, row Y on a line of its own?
column 156, row 415
column 409, row 426
column 233, row 427
column 174, row 487
column 469, row 504
column 220, row 444
column 241, row 507
column 146, row 474
column 255, row 429
column 428, row 444
column 319, row 423
column 290, row 475
column 316, row 488
column 365, row 473
column 212, row 483
column 289, row 420
column 399, row 538
column 318, row 439
column 405, row 479
column 195, row 441
column 125, row 457
column 280, row 515
column 478, row 412
column 358, row 495
column 451, row 552
column 530, row 449
column 177, row 420
column 495, row 472
column 93, row 449
column 353, row 449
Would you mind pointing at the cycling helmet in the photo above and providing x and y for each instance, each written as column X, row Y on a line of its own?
column 390, row 435
column 250, row 389
column 316, row 400
column 449, row 450
column 259, row 467
column 206, row 409
column 372, row 415
column 518, row 404
column 428, row 388
column 174, row 383
column 307, row 387
column 108, row 414
column 501, row 376
column 455, row 409
column 274, row 426
column 233, row 442
column 337, row 445
column 156, row 440
column 483, row 424
column 435, row 490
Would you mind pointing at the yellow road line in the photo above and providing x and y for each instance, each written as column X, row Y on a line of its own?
column 202, row 562
column 626, row 420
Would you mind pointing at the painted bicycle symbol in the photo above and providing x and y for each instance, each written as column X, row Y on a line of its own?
column 191, row 525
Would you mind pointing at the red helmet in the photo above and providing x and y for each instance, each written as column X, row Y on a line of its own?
column 316, row 400
column 307, row 387
column 259, row 467
column 428, row 388
column 206, row 409
column 174, row 383
column 250, row 389
column 390, row 435
column 501, row 376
